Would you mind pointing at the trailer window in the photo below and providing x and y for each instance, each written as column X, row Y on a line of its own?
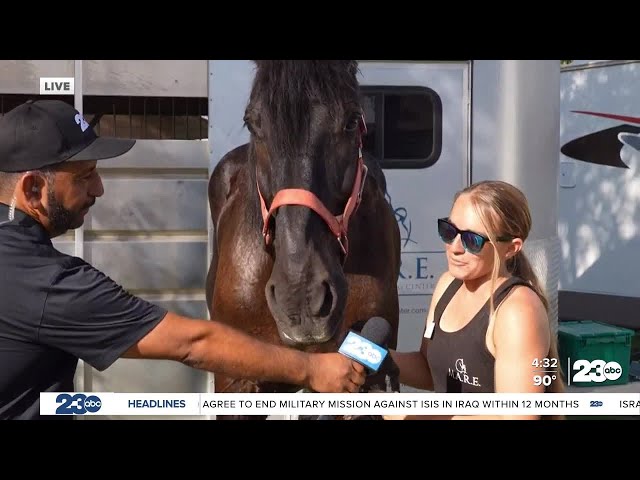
column 158, row 118
column 404, row 125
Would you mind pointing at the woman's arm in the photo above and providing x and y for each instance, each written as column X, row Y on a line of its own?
column 521, row 333
column 413, row 366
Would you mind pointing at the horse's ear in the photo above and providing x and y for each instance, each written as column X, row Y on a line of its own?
column 352, row 67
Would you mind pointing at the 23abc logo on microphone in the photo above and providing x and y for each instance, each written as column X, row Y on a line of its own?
column 363, row 351
column 596, row 371
column 77, row 404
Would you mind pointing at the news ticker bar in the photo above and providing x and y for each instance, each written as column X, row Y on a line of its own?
column 206, row 404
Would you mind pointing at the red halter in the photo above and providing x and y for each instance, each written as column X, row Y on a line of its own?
column 338, row 224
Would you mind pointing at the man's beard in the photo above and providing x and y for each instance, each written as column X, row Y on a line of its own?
column 60, row 218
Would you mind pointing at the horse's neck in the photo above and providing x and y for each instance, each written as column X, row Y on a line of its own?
column 252, row 199
column 375, row 171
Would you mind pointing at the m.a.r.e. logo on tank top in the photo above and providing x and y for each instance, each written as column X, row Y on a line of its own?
column 460, row 374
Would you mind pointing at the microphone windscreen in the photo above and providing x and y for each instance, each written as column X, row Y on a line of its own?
column 377, row 330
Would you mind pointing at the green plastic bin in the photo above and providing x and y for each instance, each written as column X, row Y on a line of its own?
column 593, row 353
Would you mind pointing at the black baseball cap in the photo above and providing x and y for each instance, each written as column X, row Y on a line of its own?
column 40, row 133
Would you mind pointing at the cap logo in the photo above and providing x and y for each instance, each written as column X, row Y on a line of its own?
column 81, row 121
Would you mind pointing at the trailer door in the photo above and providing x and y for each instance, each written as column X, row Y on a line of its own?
column 417, row 117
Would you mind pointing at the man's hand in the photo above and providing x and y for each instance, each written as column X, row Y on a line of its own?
column 394, row 417
column 334, row 373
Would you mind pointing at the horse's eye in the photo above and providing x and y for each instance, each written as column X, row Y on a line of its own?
column 352, row 123
column 247, row 123
column 252, row 122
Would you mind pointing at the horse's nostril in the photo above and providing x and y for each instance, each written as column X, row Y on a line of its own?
column 328, row 300
column 321, row 300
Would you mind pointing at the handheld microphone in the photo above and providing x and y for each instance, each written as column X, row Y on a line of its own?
column 367, row 348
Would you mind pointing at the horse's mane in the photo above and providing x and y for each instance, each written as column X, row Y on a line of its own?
column 286, row 89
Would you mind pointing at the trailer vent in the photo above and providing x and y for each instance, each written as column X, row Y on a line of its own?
column 157, row 118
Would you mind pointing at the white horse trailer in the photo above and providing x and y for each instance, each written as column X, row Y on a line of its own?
column 149, row 230
column 435, row 126
column 599, row 195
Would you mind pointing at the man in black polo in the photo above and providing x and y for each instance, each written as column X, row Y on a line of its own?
column 56, row 308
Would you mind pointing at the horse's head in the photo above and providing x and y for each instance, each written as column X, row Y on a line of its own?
column 306, row 125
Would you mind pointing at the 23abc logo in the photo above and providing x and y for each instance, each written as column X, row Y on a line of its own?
column 596, row 371
column 77, row 404
column 361, row 349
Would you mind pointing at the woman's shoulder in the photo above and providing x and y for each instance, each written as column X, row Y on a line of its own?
column 520, row 293
column 521, row 322
column 521, row 302
column 443, row 282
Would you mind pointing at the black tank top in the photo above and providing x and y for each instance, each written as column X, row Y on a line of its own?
column 460, row 361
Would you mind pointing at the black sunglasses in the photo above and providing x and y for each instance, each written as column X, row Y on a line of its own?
column 471, row 241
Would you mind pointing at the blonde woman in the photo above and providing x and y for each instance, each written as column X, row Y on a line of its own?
column 488, row 318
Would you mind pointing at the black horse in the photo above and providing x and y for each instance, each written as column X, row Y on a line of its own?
column 306, row 246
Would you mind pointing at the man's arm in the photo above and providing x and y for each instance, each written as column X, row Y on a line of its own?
column 93, row 318
column 216, row 347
